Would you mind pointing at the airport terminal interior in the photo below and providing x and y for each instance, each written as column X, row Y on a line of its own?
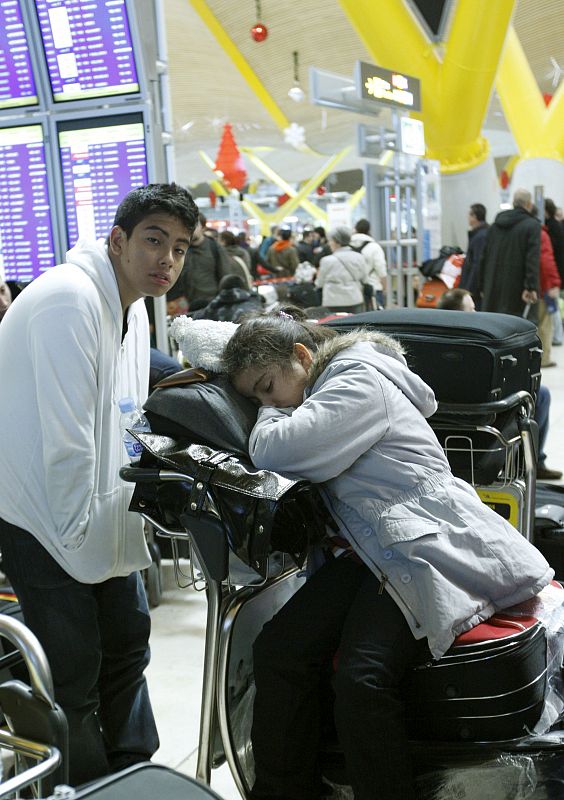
column 281, row 119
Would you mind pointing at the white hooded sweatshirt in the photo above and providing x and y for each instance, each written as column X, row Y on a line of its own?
column 63, row 369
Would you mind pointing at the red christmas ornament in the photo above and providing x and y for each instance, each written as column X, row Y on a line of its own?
column 320, row 190
column 259, row 32
column 504, row 179
column 230, row 162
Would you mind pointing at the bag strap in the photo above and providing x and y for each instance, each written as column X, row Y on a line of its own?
column 357, row 280
column 201, row 482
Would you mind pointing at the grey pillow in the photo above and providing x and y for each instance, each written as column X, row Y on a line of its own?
column 210, row 412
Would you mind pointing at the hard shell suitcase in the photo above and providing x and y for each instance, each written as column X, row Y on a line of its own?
column 465, row 357
column 146, row 782
column 549, row 525
column 485, row 688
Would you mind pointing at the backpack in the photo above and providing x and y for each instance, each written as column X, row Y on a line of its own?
column 361, row 248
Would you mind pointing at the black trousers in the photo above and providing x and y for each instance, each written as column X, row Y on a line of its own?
column 338, row 609
column 96, row 639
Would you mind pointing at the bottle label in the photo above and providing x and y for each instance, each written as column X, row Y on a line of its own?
column 134, row 449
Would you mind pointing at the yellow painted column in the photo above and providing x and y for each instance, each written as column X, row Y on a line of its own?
column 455, row 85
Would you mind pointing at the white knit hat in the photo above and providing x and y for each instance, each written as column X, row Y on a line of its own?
column 202, row 340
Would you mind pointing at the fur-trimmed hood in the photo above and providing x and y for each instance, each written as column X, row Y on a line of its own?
column 382, row 352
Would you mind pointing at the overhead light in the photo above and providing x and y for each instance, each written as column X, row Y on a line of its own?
column 296, row 93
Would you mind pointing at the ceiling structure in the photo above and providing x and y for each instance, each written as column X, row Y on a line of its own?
column 208, row 90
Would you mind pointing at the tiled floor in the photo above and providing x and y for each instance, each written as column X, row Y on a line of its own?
column 175, row 673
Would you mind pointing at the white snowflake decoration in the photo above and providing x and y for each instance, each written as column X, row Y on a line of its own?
column 295, row 135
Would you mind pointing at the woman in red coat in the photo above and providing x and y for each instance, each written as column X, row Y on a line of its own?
column 549, row 294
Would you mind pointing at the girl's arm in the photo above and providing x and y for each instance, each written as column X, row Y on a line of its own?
column 329, row 431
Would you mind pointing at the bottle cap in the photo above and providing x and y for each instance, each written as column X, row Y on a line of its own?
column 126, row 404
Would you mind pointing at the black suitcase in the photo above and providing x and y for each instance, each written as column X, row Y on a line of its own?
column 549, row 525
column 465, row 357
column 486, row 690
column 146, row 782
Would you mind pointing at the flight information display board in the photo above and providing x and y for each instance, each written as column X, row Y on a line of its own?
column 102, row 160
column 17, row 86
column 88, row 48
column 26, row 235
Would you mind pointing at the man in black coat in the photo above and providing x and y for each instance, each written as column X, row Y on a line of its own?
column 476, row 242
column 508, row 277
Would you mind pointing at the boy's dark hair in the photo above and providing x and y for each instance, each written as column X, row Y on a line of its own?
column 452, row 299
column 166, row 198
column 362, row 226
column 479, row 211
column 269, row 338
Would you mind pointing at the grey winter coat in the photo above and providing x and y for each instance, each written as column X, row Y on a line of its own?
column 447, row 559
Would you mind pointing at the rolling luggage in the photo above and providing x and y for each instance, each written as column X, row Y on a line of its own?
column 549, row 525
column 464, row 357
column 146, row 782
column 498, row 699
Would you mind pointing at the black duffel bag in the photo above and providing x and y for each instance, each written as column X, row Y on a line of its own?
column 261, row 512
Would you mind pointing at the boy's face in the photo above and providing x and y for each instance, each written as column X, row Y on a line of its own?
column 5, row 297
column 148, row 263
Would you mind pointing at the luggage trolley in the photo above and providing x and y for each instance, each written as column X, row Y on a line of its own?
column 37, row 735
column 180, row 490
column 493, row 446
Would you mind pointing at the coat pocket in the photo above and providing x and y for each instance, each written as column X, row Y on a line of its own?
column 399, row 525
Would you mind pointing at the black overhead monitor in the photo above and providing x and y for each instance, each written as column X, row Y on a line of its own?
column 17, row 86
column 102, row 160
column 88, row 48
column 26, row 234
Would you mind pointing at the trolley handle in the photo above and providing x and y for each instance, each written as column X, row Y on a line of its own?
column 152, row 475
column 493, row 407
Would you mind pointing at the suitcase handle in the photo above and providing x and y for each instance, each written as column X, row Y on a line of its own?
column 508, row 361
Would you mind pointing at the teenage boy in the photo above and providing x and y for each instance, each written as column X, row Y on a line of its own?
column 75, row 343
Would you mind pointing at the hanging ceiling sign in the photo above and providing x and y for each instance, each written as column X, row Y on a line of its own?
column 380, row 85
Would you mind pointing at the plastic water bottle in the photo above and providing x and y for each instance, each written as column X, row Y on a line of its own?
column 132, row 418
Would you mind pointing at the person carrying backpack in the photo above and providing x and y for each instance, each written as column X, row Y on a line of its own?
column 375, row 259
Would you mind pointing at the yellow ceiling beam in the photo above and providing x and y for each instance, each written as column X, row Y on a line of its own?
column 356, row 197
column 279, row 181
column 308, row 187
column 538, row 130
column 455, row 88
column 240, row 62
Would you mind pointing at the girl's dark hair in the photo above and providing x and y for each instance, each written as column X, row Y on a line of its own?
column 269, row 338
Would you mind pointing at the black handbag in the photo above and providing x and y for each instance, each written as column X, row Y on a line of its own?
column 304, row 295
column 260, row 511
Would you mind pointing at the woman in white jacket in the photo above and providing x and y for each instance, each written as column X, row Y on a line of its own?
column 342, row 274
column 412, row 557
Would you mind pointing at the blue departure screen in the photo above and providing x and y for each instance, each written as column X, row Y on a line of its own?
column 26, row 236
column 17, row 87
column 102, row 160
column 88, row 48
